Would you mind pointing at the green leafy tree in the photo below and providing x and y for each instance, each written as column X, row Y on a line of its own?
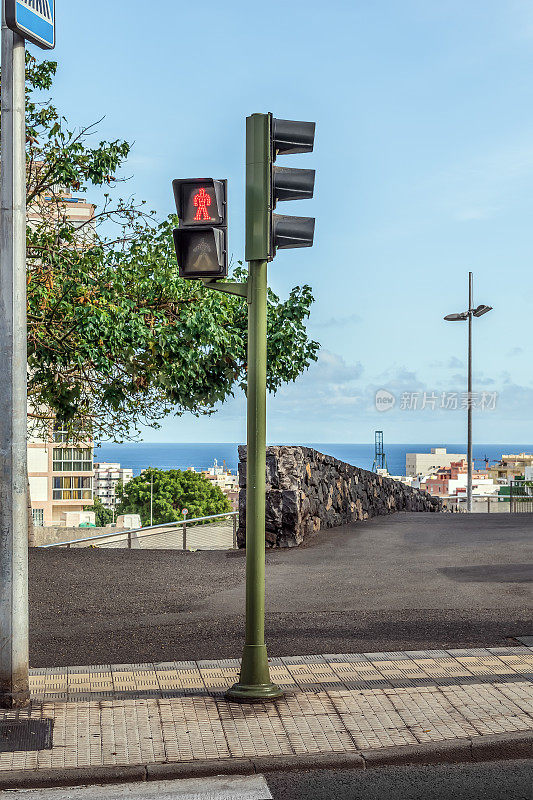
column 115, row 338
column 173, row 490
column 103, row 516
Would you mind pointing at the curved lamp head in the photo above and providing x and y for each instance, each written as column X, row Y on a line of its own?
column 480, row 310
column 457, row 317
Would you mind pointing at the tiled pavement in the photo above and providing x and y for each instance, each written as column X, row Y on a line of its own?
column 130, row 714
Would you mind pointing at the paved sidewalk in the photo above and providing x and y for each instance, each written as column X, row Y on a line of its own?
column 146, row 714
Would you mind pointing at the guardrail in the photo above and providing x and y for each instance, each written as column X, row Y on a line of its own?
column 190, row 539
column 521, row 496
column 489, row 503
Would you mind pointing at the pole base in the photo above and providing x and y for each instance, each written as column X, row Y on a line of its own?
column 243, row 693
column 254, row 683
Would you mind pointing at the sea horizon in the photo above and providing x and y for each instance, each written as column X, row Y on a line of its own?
column 202, row 455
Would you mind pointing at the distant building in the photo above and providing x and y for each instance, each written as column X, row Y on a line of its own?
column 61, row 478
column 426, row 463
column 226, row 481
column 76, row 210
column 510, row 467
column 453, row 481
column 106, row 477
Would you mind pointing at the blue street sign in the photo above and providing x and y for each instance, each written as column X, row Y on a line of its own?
column 34, row 20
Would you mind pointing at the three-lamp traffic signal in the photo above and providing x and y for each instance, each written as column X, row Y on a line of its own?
column 268, row 184
column 290, row 137
column 201, row 241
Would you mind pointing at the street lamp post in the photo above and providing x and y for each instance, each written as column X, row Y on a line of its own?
column 151, row 499
column 461, row 317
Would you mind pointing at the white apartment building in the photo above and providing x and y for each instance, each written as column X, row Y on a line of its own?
column 426, row 463
column 106, row 477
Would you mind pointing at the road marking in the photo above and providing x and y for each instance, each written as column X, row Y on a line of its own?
column 238, row 787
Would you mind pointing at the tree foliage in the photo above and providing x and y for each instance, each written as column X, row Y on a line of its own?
column 115, row 338
column 173, row 490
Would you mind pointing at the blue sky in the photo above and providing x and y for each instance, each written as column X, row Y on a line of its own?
column 424, row 159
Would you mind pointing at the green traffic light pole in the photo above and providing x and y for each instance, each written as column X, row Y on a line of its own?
column 254, row 682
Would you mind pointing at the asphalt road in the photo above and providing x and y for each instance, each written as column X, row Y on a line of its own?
column 406, row 581
column 498, row 780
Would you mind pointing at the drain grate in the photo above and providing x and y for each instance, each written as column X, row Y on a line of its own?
column 527, row 640
column 26, row 734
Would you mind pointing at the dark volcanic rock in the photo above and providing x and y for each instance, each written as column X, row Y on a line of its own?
column 308, row 491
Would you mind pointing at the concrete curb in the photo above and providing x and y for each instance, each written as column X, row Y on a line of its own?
column 456, row 751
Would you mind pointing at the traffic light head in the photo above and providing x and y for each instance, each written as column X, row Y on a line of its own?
column 267, row 184
column 289, row 136
column 201, row 253
column 292, row 184
column 288, row 232
column 201, row 239
column 200, row 201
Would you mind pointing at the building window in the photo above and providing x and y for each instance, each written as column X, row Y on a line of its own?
column 62, row 436
column 73, row 459
column 38, row 517
column 73, row 489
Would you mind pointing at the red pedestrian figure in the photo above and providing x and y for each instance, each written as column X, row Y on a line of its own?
column 201, row 201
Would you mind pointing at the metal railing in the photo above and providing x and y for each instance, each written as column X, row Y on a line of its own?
column 490, row 503
column 520, row 497
column 190, row 534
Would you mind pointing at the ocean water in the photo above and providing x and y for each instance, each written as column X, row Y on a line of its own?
column 139, row 455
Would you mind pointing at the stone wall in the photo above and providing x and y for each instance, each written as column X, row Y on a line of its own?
column 308, row 491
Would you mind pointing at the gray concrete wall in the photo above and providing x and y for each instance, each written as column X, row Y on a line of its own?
column 55, row 533
column 308, row 491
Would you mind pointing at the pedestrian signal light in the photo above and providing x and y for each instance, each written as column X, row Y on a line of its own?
column 200, row 201
column 201, row 239
column 200, row 252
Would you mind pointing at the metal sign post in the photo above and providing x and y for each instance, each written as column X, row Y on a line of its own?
column 14, row 684
column 34, row 20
